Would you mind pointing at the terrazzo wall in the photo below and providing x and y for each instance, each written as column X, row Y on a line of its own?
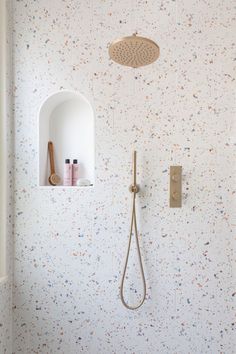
column 6, row 281
column 70, row 244
column 5, row 318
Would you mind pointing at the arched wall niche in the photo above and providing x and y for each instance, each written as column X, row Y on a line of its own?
column 67, row 119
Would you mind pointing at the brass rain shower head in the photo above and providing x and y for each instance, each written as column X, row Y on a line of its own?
column 134, row 51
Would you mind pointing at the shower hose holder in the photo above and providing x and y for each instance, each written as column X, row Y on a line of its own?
column 134, row 188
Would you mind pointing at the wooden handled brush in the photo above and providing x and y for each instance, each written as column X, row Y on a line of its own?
column 53, row 179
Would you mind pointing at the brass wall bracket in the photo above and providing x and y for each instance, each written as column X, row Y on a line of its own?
column 175, row 186
column 134, row 188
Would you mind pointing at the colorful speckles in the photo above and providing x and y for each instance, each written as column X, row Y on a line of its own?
column 70, row 244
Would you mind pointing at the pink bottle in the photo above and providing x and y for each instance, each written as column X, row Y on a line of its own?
column 67, row 173
column 75, row 172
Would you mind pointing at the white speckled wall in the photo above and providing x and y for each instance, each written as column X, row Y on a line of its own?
column 70, row 244
column 6, row 279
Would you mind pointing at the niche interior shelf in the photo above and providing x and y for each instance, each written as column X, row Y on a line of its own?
column 67, row 119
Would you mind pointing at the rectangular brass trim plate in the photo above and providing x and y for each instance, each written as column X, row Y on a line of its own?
column 175, row 186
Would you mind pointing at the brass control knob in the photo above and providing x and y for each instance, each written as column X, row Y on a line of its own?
column 174, row 178
column 175, row 195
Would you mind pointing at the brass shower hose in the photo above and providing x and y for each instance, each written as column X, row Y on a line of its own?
column 133, row 189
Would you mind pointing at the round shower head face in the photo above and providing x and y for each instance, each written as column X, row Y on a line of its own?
column 134, row 51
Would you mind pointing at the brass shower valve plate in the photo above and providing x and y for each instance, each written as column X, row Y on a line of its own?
column 175, row 186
